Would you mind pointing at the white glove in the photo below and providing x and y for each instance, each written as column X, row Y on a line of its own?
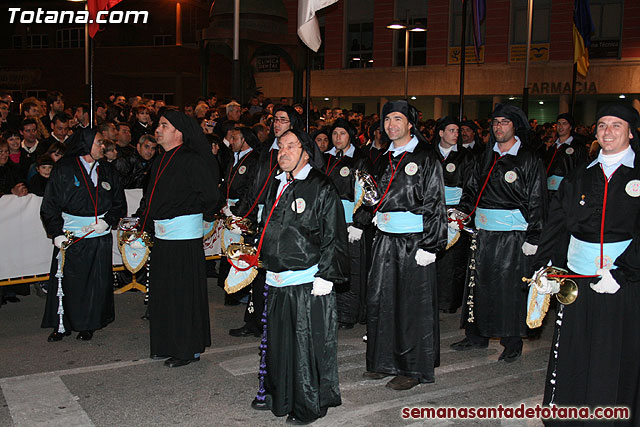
column 424, row 258
column 454, row 225
column 226, row 211
column 528, row 249
column 321, row 287
column 546, row 286
column 607, row 284
column 99, row 227
column 58, row 241
column 375, row 220
column 355, row 234
column 136, row 244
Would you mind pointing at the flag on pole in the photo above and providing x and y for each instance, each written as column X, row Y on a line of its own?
column 479, row 12
column 95, row 6
column 308, row 28
column 582, row 29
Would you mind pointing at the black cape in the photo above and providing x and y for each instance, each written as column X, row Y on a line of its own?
column 597, row 342
column 451, row 263
column 499, row 295
column 403, row 336
column 88, row 280
column 178, row 301
column 351, row 296
column 302, row 367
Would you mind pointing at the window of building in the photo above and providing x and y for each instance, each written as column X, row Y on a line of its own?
column 163, row 40
column 456, row 24
column 317, row 58
column 416, row 10
column 539, row 24
column 31, row 41
column 16, row 42
column 359, row 33
column 160, row 96
column 607, row 19
column 70, row 38
column 37, row 93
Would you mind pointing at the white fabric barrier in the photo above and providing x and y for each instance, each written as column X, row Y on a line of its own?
column 25, row 248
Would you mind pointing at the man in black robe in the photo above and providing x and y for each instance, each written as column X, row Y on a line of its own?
column 470, row 138
column 402, row 305
column 238, row 181
column 567, row 153
column 83, row 196
column 301, row 350
column 451, row 263
column 182, row 191
column 507, row 193
column 594, row 357
column 285, row 118
column 342, row 162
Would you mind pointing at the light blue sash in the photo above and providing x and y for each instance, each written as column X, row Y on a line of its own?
column 584, row 257
column 452, row 195
column 348, row 210
column 500, row 220
column 399, row 222
column 291, row 278
column 184, row 227
column 553, row 182
column 78, row 225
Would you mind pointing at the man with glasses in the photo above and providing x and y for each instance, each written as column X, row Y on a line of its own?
column 285, row 118
column 507, row 194
column 83, row 196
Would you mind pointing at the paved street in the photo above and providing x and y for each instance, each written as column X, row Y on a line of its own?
column 110, row 381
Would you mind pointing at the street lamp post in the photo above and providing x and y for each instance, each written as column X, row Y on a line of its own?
column 407, row 27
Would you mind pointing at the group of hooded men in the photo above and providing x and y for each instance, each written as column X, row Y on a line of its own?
column 447, row 221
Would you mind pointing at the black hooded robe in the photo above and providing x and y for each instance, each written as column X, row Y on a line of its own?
column 499, row 295
column 452, row 263
column 403, row 335
column 597, row 339
column 352, row 303
column 302, row 346
column 178, row 299
column 88, row 279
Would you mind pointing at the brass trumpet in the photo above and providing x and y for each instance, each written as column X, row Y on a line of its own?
column 243, row 223
column 371, row 196
column 455, row 214
column 242, row 252
column 568, row 288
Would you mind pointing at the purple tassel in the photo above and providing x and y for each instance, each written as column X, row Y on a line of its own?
column 263, row 350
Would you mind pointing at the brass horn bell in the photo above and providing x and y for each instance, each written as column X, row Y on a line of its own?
column 568, row 287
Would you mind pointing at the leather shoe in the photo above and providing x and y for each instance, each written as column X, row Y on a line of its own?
column 510, row 356
column 261, row 405
column 402, row 383
column 244, row 331
column 342, row 325
column 85, row 335
column 158, row 357
column 174, row 362
column 467, row 344
column 374, row 375
column 12, row 299
column 297, row 421
column 57, row 336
